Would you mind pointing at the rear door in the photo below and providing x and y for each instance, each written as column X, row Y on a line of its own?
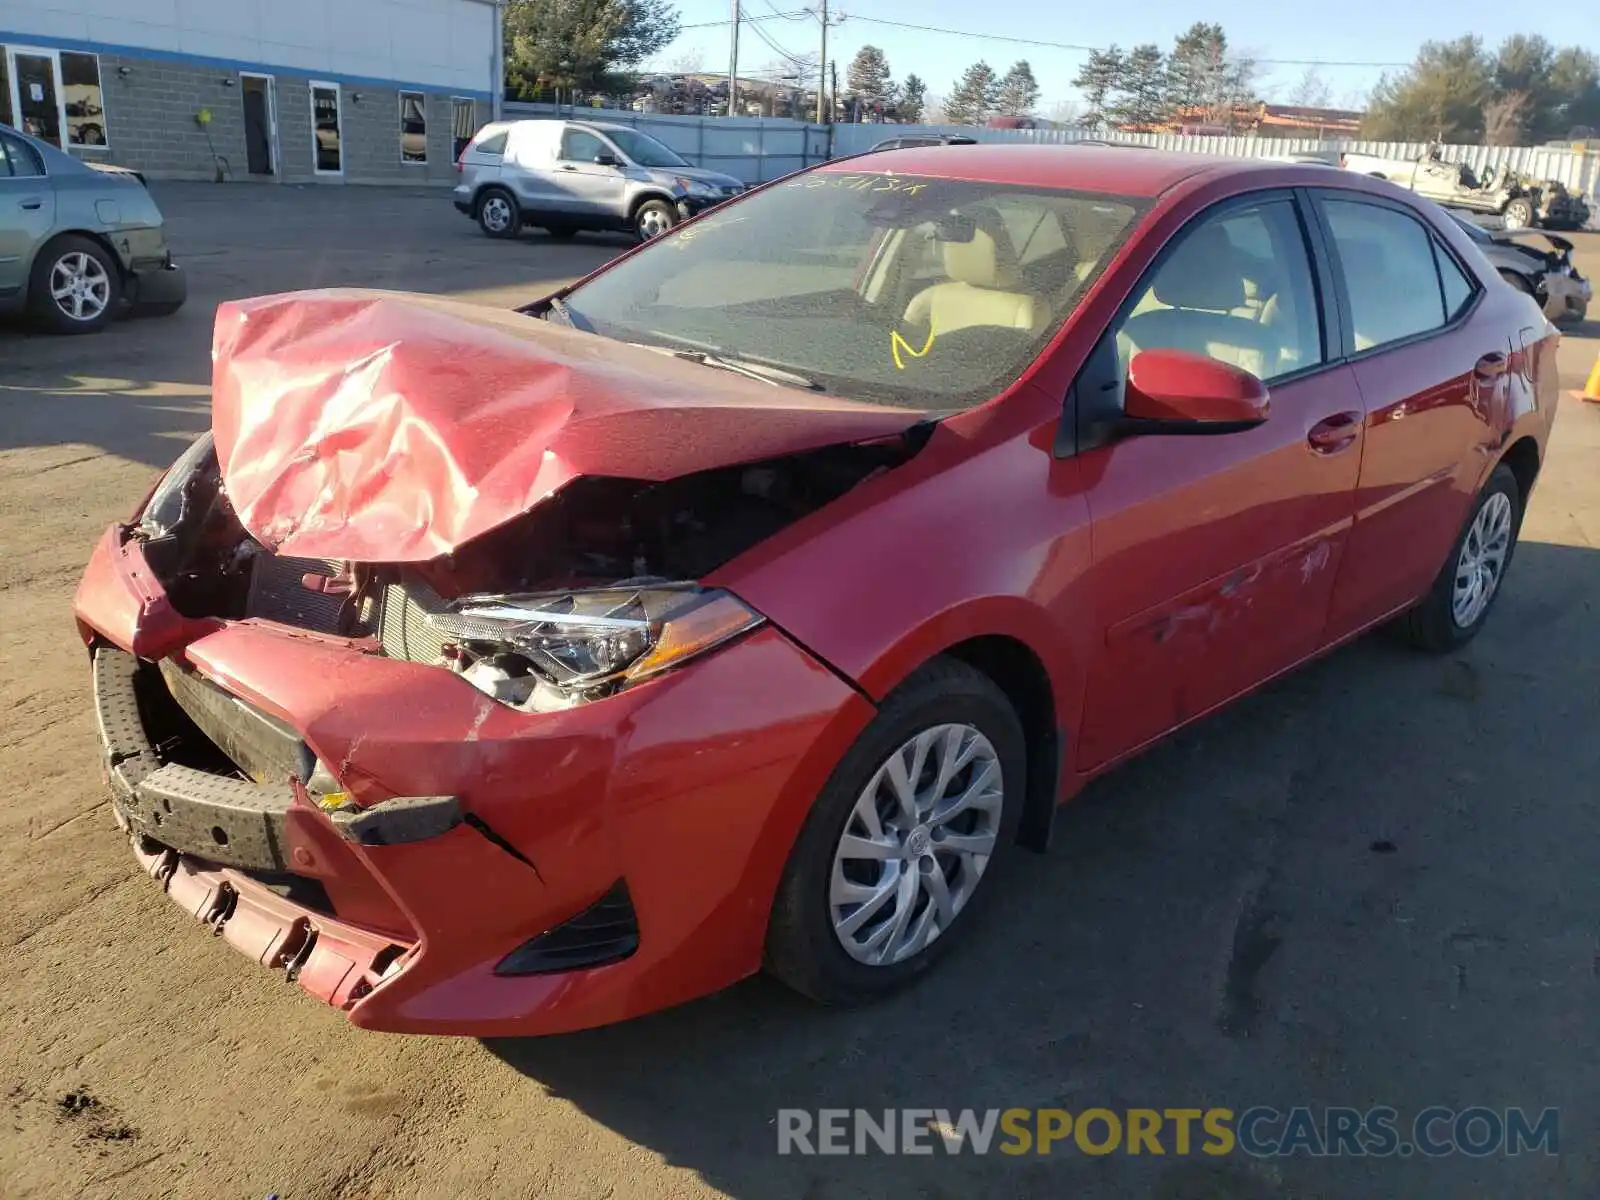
column 1215, row 555
column 1431, row 367
column 27, row 211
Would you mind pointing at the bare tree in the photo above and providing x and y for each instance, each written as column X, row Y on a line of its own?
column 1312, row 91
column 1505, row 119
column 690, row 62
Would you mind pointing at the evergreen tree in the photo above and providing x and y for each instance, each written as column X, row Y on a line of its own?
column 972, row 100
column 911, row 100
column 867, row 81
column 1019, row 91
column 1100, row 80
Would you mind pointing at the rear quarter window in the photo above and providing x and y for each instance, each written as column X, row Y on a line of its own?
column 494, row 144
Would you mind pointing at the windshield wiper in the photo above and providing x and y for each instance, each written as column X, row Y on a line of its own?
column 568, row 317
column 776, row 376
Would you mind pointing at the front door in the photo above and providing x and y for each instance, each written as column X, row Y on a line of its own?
column 1215, row 555
column 588, row 187
column 35, row 94
column 259, row 132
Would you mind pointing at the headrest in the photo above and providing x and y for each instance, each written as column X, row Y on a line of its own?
column 1204, row 272
column 988, row 260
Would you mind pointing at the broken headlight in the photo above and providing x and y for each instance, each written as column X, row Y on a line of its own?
column 558, row 649
column 168, row 504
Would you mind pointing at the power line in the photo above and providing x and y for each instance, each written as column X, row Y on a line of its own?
column 798, row 14
column 779, row 50
column 1020, row 41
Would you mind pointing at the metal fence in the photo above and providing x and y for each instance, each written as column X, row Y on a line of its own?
column 754, row 149
column 757, row 149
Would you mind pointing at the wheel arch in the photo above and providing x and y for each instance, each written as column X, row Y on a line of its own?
column 644, row 197
column 98, row 239
column 1522, row 458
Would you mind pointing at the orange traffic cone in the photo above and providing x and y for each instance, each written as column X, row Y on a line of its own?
column 1591, row 390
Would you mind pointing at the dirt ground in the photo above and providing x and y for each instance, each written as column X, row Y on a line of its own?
column 1373, row 884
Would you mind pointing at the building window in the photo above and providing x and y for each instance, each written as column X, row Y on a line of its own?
column 85, row 101
column 5, row 92
column 463, row 122
column 413, row 127
column 325, row 114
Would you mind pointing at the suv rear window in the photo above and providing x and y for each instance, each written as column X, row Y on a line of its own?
column 493, row 144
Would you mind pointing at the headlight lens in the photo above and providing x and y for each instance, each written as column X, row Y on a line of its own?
column 695, row 188
column 584, row 642
column 164, row 510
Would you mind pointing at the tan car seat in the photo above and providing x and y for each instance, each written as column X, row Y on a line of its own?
column 984, row 287
column 1201, row 291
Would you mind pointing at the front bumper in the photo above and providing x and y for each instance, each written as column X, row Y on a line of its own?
column 1566, row 298
column 164, row 285
column 686, row 793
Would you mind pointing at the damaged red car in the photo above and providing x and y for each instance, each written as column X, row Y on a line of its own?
column 750, row 602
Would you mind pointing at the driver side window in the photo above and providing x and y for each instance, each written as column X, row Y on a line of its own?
column 578, row 145
column 1237, row 288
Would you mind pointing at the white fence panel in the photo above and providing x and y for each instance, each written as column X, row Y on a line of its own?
column 757, row 149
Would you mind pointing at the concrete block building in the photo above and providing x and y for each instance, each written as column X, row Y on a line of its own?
column 302, row 91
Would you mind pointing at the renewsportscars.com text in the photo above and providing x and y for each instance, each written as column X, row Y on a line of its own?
column 1260, row 1132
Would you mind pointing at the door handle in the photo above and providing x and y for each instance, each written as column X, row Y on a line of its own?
column 30, row 205
column 1491, row 365
column 1333, row 434
column 568, row 167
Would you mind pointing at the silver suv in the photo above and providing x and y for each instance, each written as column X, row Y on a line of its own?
column 565, row 176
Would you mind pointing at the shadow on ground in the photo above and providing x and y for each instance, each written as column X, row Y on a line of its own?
column 1370, row 884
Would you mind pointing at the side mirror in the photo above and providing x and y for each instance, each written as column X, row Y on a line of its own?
column 607, row 159
column 1175, row 391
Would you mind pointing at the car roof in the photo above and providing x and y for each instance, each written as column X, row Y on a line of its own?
column 1117, row 170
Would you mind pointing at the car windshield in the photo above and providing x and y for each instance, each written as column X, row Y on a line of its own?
column 644, row 149
column 929, row 293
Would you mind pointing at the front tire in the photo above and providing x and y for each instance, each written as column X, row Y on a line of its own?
column 74, row 287
column 893, row 858
column 498, row 214
column 653, row 218
column 1458, row 605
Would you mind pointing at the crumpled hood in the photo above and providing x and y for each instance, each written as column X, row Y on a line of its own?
column 391, row 427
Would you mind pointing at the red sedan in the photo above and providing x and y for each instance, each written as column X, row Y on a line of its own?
column 751, row 601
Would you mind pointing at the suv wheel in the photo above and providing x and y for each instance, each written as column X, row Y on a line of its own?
column 653, row 218
column 498, row 215
column 1518, row 214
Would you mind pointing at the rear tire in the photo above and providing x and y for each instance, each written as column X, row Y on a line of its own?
column 1449, row 617
column 1518, row 214
column 498, row 214
column 933, row 871
column 87, row 275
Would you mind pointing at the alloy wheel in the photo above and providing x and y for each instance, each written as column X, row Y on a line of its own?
column 80, row 286
column 496, row 214
column 653, row 222
column 1482, row 561
column 916, row 844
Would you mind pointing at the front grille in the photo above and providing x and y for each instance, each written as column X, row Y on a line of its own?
column 605, row 932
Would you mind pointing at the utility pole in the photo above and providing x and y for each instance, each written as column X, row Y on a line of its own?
column 833, row 92
column 733, row 65
column 822, row 71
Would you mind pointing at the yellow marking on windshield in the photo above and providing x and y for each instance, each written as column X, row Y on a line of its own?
column 898, row 344
column 858, row 183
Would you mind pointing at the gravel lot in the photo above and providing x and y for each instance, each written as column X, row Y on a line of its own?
column 1372, row 884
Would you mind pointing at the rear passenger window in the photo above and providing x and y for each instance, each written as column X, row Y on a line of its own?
column 492, row 145
column 1458, row 290
column 1389, row 271
column 1237, row 288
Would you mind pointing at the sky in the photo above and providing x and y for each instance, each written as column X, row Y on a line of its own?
column 1353, row 41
